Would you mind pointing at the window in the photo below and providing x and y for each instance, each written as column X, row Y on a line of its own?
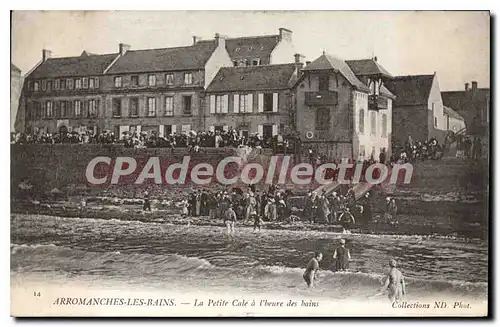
column 56, row 84
column 268, row 102
column 361, row 121
column 62, row 106
column 256, row 62
column 235, row 63
column 118, row 81
column 186, row 108
column 49, row 85
column 435, row 121
column 85, row 83
column 324, row 82
column 188, row 78
column 70, row 84
column 78, row 108
column 152, row 80
column 36, row 86
column 92, row 108
column 117, row 107
column 362, row 151
column 384, row 125
column 244, row 103
column 50, row 112
column 78, row 83
column 322, row 119
column 373, row 123
column 134, row 80
column 91, row 83
column 169, row 79
column 134, row 107
column 151, row 107
column 44, row 85
column 169, row 106
column 219, row 103
column 44, row 109
column 62, row 84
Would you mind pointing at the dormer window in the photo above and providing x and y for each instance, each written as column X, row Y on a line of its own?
column 235, row 63
column 256, row 62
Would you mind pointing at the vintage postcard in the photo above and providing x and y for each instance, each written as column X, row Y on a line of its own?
column 244, row 163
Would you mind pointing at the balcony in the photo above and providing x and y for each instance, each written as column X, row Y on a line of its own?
column 376, row 102
column 321, row 98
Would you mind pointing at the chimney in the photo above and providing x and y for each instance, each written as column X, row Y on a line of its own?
column 467, row 86
column 285, row 34
column 375, row 58
column 46, row 54
column 298, row 58
column 299, row 61
column 196, row 39
column 308, row 62
column 474, row 86
column 123, row 48
column 220, row 40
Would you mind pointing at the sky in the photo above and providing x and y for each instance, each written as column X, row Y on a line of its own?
column 455, row 45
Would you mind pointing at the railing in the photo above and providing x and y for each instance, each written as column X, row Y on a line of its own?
column 321, row 98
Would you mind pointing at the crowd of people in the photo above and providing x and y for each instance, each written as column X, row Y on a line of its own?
column 193, row 140
column 276, row 205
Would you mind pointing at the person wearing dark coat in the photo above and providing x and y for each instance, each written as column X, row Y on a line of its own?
column 342, row 256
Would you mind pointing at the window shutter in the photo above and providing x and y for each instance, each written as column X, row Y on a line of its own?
column 97, row 107
column 174, row 129
column 261, row 102
column 211, row 128
column 138, row 129
column 225, row 128
column 162, row 130
column 275, row 102
column 212, row 104
column 97, row 82
column 236, row 103
column 275, row 128
column 224, row 103
column 260, row 129
column 250, row 102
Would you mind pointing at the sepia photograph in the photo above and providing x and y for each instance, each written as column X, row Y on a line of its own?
column 250, row 164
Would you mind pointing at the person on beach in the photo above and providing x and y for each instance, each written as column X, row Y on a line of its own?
column 311, row 273
column 147, row 203
column 342, row 256
column 394, row 283
column 230, row 220
column 347, row 221
column 257, row 221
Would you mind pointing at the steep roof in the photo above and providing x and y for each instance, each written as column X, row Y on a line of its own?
column 248, row 47
column 411, row 90
column 327, row 62
column 167, row 59
column 266, row 77
column 385, row 91
column 452, row 113
column 73, row 66
column 363, row 67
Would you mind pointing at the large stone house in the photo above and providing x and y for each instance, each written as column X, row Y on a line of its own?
column 417, row 109
column 342, row 114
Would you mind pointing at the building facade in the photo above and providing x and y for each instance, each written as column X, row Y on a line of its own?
column 16, row 84
column 339, row 115
column 474, row 105
column 418, row 108
column 160, row 90
column 256, row 99
column 453, row 121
